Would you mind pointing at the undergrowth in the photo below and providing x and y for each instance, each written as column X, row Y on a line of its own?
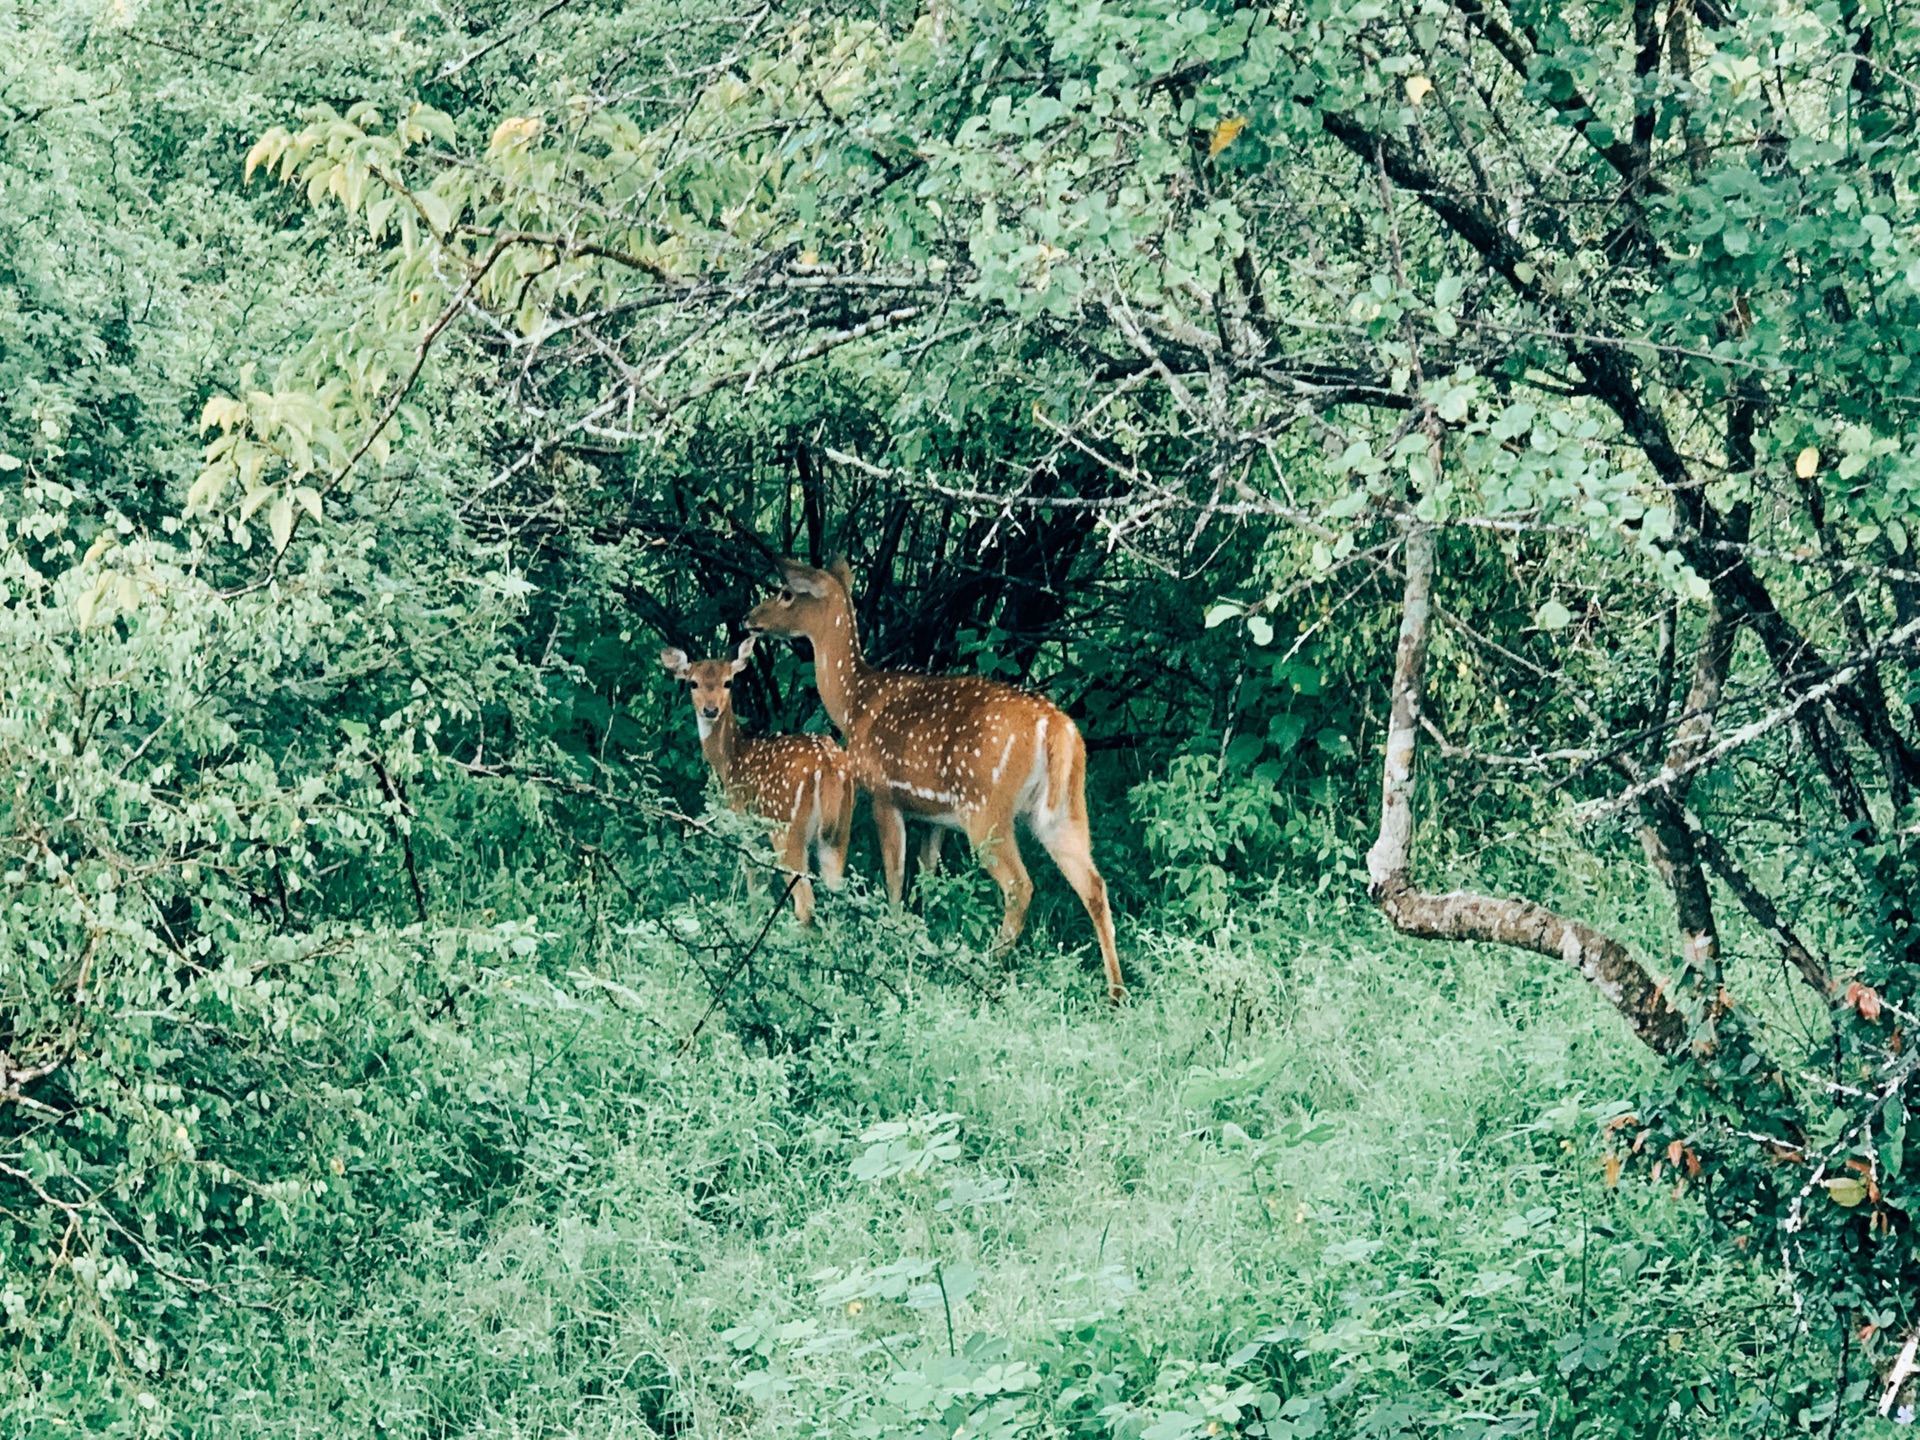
column 1313, row 1180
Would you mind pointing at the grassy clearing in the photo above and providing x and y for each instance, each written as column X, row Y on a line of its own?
column 1312, row 1177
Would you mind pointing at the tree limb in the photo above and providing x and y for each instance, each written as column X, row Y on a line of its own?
column 1611, row 377
column 1664, row 833
column 1460, row 915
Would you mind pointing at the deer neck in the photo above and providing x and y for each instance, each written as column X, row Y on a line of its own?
column 840, row 670
column 719, row 740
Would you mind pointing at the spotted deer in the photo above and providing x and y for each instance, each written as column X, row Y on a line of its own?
column 965, row 753
column 798, row 783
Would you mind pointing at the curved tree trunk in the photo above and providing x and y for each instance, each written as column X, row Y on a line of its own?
column 1461, row 915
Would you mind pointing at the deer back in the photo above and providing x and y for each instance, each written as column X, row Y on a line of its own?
column 785, row 777
column 956, row 745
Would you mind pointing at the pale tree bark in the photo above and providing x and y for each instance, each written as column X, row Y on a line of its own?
column 1459, row 915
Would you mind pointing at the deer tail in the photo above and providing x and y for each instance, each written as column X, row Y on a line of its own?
column 1066, row 796
column 842, row 810
column 837, row 797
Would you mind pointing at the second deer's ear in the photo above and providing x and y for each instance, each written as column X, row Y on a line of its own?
column 675, row 661
column 799, row 578
column 841, row 571
column 743, row 655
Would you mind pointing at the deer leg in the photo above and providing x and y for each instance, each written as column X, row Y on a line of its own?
column 793, row 855
column 1072, row 850
column 929, row 853
column 1000, row 854
column 930, row 848
column 893, row 846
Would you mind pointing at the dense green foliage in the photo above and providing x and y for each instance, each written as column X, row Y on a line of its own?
column 388, row 1043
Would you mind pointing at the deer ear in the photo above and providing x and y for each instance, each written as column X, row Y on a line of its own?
column 841, row 571
column 675, row 661
column 801, row 579
column 743, row 655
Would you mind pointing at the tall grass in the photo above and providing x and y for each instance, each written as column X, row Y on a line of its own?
column 1312, row 1180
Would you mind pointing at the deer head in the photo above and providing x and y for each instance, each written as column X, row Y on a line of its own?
column 710, row 681
column 813, row 603
column 818, row 605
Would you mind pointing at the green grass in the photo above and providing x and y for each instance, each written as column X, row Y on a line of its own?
column 1308, row 1159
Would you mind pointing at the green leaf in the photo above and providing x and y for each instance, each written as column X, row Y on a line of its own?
column 1554, row 616
column 959, row 1280
column 1349, row 504
column 280, row 521
column 436, row 210
column 1220, row 612
column 1846, row 1191
column 435, row 122
column 1514, row 421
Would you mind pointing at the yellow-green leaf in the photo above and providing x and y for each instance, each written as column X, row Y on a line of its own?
column 439, row 215
column 200, row 492
column 88, row 602
column 356, row 183
column 222, row 410
column 308, row 499
column 247, row 459
column 377, row 213
column 280, row 522
column 1846, row 1191
column 512, row 131
column 263, row 151
column 434, row 122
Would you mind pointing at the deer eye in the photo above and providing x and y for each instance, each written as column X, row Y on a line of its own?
column 786, row 597
column 726, row 684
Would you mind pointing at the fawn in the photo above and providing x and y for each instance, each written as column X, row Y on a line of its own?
column 798, row 783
